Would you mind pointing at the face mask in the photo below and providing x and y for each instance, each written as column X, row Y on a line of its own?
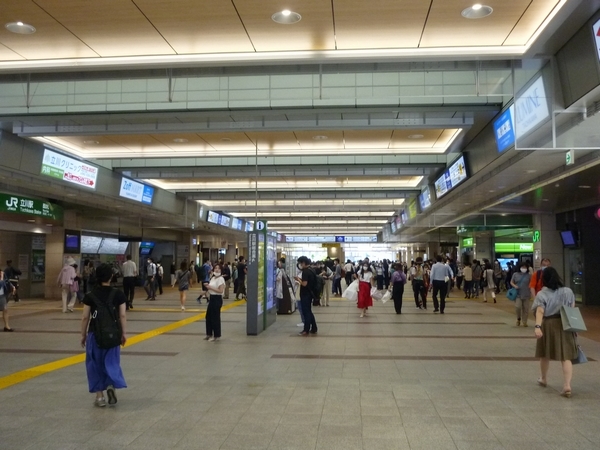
column 365, row 267
column 299, row 266
column 544, row 267
column 523, row 270
column 217, row 274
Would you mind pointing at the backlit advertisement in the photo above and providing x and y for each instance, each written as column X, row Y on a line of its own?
column 71, row 170
column 136, row 191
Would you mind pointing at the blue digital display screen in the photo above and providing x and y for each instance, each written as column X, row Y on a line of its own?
column 504, row 130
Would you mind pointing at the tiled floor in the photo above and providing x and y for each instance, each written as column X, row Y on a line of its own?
column 465, row 380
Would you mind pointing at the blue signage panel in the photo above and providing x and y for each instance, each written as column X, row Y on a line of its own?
column 504, row 130
column 340, row 239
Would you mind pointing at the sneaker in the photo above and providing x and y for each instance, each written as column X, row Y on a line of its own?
column 362, row 315
column 525, row 325
column 70, row 309
column 183, row 308
column 207, row 338
column 100, row 402
column 303, row 333
column 112, row 395
column 518, row 322
column 212, row 339
column 301, row 324
column 436, row 310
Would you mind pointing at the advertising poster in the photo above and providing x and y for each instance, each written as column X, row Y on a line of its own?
column 261, row 270
column 271, row 271
column 68, row 169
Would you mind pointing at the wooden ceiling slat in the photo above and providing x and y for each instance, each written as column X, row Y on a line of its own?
column 530, row 22
column 313, row 32
column 379, row 23
column 210, row 26
column 446, row 27
column 110, row 27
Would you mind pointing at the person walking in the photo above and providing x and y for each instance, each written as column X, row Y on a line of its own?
column 242, row 271
column 337, row 278
column 366, row 277
column 349, row 269
column 468, row 279
column 417, row 278
column 553, row 343
column 103, row 365
column 5, row 288
column 327, row 275
column 307, row 280
column 397, row 282
column 214, row 288
column 183, row 279
column 477, row 272
column 440, row 275
column 520, row 281
column 160, row 273
column 172, row 270
column 227, row 278
column 129, row 276
column 497, row 275
column 535, row 284
column 65, row 280
column 150, row 285
column 489, row 283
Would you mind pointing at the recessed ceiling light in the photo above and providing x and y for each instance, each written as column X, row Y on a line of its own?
column 477, row 11
column 225, row 139
column 180, row 140
column 49, row 225
column 320, row 137
column 531, row 171
column 20, row 28
column 545, row 200
column 286, row 17
column 492, row 190
column 71, row 195
column 467, row 203
column 91, row 142
column 416, row 136
column 31, row 220
column 585, row 187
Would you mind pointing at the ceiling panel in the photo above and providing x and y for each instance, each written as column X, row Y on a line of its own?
column 6, row 54
column 228, row 141
column 335, row 139
column 51, row 40
column 530, row 22
column 367, row 138
column 401, row 138
column 313, row 32
column 379, row 23
column 109, row 27
column 446, row 27
column 274, row 140
column 167, row 141
column 210, row 26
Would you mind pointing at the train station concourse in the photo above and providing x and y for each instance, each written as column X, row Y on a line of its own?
column 266, row 199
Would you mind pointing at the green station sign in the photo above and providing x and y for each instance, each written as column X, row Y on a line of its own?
column 23, row 205
column 513, row 247
column 537, row 236
column 467, row 242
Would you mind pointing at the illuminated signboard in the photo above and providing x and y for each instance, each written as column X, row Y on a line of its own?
column 425, row 198
column 531, row 108
column 136, row 191
column 71, row 170
column 510, row 247
column 504, row 130
column 224, row 220
column 452, row 177
column 412, row 210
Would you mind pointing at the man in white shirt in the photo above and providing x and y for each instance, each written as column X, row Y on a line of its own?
column 65, row 280
column 440, row 275
column 159, row 277
column 129, row 275
column 150, row 285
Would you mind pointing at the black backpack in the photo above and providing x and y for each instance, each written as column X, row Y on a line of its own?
column 107, row 328
column 316, row 285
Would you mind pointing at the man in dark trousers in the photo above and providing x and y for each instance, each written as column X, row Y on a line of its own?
column 307, row 281
column 242, row 270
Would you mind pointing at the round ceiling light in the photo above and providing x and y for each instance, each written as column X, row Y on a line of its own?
column 180, row 140
column 477, row 11
column 91, row 142
column 320, row 137
column 20, row 28
column 286, row 17
column 416, row 136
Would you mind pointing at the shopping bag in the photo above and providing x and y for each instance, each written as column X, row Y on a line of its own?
column 571, row 319
column 351, row 292
column 512, row 294
column 581, row 358
column 375, row 294
column 386, row 297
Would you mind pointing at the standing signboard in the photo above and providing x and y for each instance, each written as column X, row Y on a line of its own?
column 261, row 309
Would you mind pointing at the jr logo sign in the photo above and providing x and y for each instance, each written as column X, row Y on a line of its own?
column 13, row 202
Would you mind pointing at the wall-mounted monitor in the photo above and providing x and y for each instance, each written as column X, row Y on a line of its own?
column 146, row 248
column 213, row 217
column 90, row 244
column 454, row 175
column 249, row 227
column 393, row 225
column 224, row 220
column 72, row 241
column 569, row 238
column 136, row 191
column 236, row 223
column 111, row 246
column 425, row 198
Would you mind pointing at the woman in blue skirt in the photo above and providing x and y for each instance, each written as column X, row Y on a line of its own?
column 103, row 365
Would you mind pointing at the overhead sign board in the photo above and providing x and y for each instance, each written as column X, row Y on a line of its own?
column 68, row 169
column 412, row 210
column 136, row 191
column 596, row 29
column 504, row 130
column 425, row 198
column 340, row 239
column 325, row 239
column 531, row 108
column 510, row 247
column 23, row 205
column 452, row 177
column 467, row 242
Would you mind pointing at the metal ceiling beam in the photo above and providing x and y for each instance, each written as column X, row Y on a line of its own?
column 366, row 194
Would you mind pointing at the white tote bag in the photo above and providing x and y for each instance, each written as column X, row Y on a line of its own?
column 351, row 292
